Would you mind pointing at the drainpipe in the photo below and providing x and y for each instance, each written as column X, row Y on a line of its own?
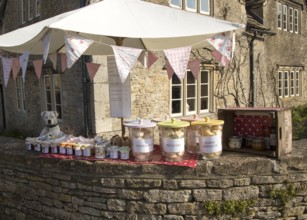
column 251, row 61
column 85, row 87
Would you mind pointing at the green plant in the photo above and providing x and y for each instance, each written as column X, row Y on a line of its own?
column 299, row 121
column 232, row 207
column 286, row 193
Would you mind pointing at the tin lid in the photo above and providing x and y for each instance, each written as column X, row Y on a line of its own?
column 140, row 124
column 173, row 124
column 192, row 118
column 208, row 121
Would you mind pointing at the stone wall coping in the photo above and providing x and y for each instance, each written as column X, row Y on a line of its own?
column 12, row 151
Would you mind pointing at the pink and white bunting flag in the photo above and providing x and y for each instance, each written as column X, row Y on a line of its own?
column 15, row 67
column 38, row 66
column 63, row 62
column 152, row 58
column 178, row 58
column 194, row 66
column 125, row 58
column 46, row 44
column 222, row 43
column 23, row 59
column 223, row 60
column 53, row 58
column 92, row 69
column 169, row 70
column 75, row 46
column 7, row 66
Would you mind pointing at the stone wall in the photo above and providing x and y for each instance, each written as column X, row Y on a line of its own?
column 35, row 188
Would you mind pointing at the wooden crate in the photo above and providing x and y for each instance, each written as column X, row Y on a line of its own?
column 283, row 117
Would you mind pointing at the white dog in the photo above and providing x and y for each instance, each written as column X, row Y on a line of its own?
column 51, row 121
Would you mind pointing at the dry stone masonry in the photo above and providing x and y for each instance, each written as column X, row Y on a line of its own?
column 38, row 188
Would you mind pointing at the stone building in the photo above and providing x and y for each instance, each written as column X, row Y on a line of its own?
column 268, row 69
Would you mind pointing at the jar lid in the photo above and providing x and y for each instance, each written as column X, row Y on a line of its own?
column 208, row 121
column 174, row 124
column 192, row 118
column 140, row 124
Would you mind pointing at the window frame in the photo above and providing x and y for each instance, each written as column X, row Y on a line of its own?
column 297, row 83
column 23, row 9
column 176, row 6
column 292, row 86
column 183, row 96
column 291, row 19
column 198, row 6
column 285, row 17
column 289, row 84
column 190, row 9
column 279, row 16
column 20, row 94
column 204, row 12
column 53, row 90
column 30, row 7
column 37, row 12
column 296, row 21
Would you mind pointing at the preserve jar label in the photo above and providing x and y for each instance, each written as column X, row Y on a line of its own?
column 142, row 145
column 210, row 144
column 173, row 145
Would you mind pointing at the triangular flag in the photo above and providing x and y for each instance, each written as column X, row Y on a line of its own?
column 222, row 43
column 178, row 58
column 194, row 66
column 63, row 62
column 7, row 66
column 169, row 70
column 38, row 65
column 46, row 45
column 152, row 58
column 75, row 46
column 125, row 58
column 92, row 69
column 15, row 67
column 142, row 59
column 53, row 58
column 23, row 59
column 223, row 60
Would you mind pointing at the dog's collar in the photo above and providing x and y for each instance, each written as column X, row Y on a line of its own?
column 51, row 126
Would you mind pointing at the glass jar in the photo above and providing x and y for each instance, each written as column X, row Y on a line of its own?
column 210, row 137
column 172, row 139
column 192, row 135
column 141, row 134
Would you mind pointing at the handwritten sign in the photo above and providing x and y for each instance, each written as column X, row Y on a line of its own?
column 119, row 93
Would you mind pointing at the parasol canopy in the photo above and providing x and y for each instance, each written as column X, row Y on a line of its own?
column 138, row 23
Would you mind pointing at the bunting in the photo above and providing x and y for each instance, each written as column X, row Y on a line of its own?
column 152, row 58
column 23, row 59
column 178, row 58
column 75, row 46
column 92, row 69
column 38, row 65
column 169, row 70
column 53, row 57
column 46, row 45
column 7, row 66
column 224, row 45
column 194, row 66
column 125, row 58
column 63, row 62
column 15, row 67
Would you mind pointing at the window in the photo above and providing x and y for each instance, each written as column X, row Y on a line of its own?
column 191, row 5
column 53, row 99
column 296, row 21
column 30, row 9
column 20, row 93
column 201, row 6
column 37, row 8
column 176, row 3
column 297, row 83
column 190, row 96
column 285, row 13
column 288, row 83
column 23, row 11
column 291, row 83
column 279, row 14
column 291, row 19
